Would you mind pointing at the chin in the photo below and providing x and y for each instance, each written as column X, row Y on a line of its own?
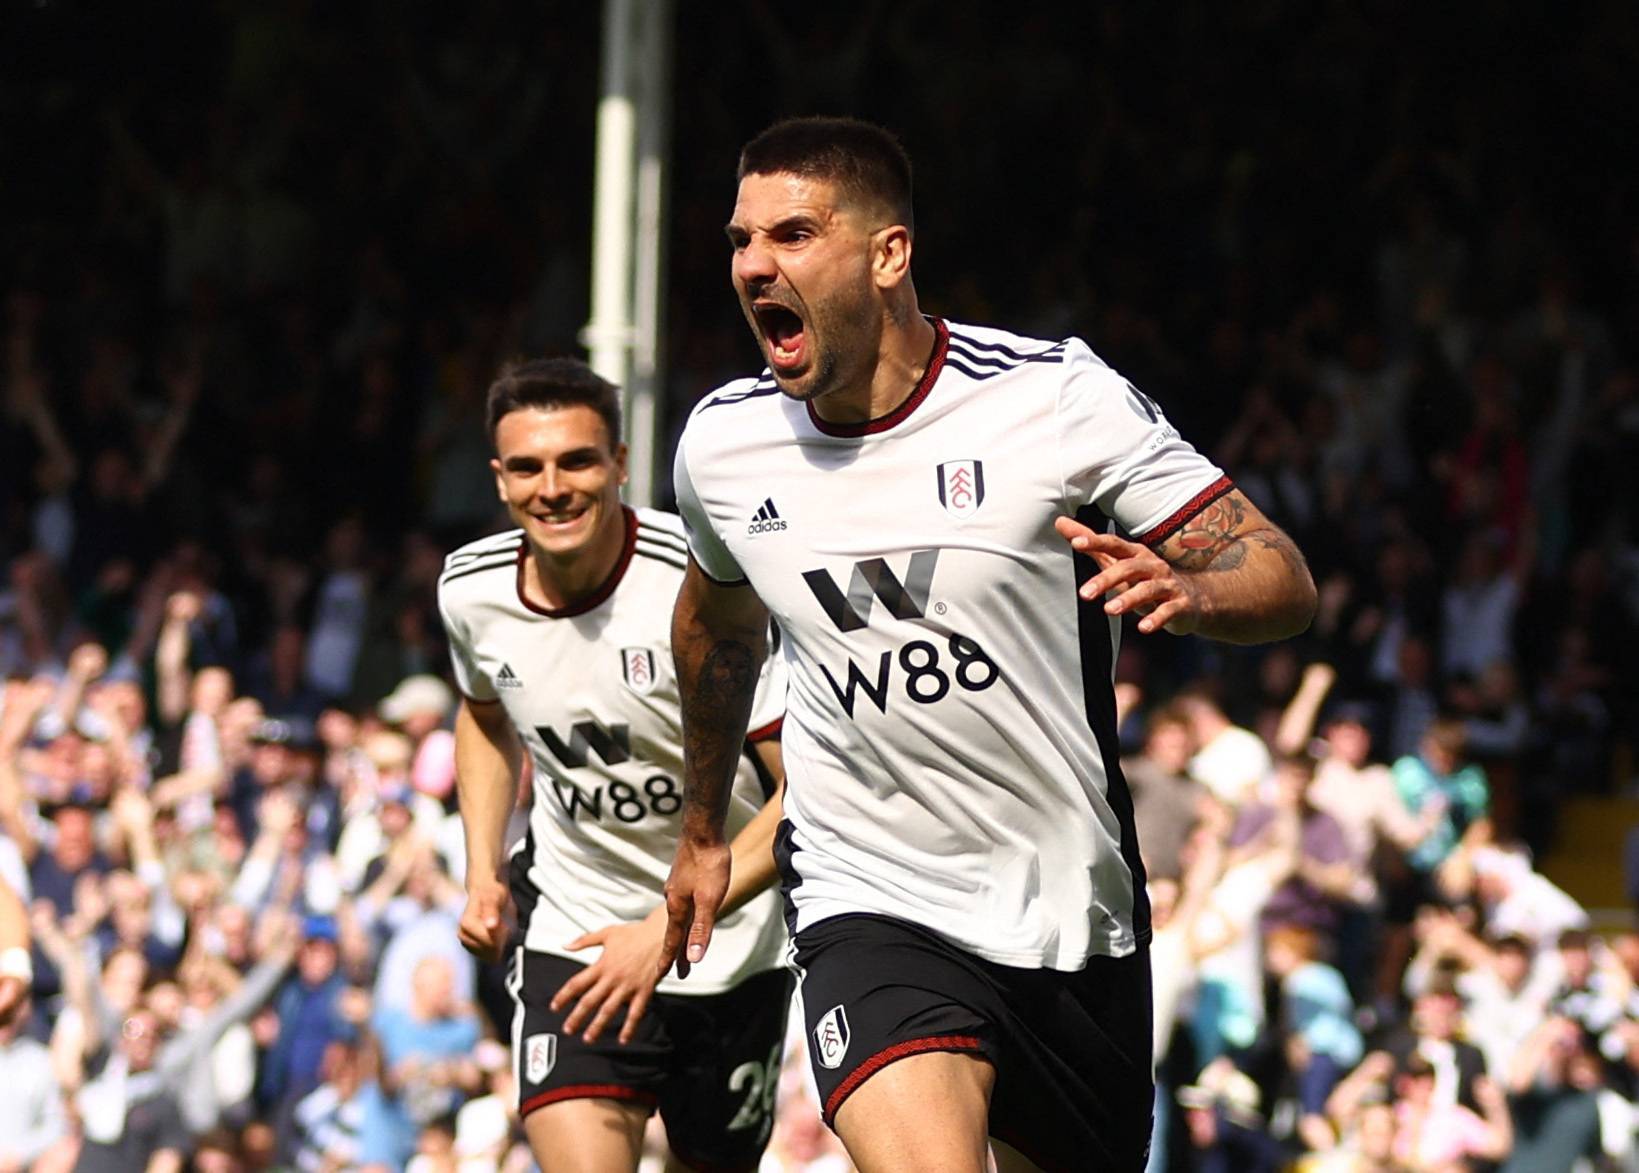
column 799, row 387
column 805, row 385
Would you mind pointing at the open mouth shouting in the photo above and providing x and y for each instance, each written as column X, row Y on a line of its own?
column 785, row 335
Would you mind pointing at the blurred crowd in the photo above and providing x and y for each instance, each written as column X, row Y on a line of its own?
column 259, row 262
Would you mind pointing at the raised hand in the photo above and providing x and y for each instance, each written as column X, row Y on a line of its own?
column 1145, row 583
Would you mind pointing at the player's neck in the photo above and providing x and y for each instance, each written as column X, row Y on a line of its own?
column 902, row 358
column 557, row 582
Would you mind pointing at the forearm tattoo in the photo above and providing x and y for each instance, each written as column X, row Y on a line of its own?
column 715, row 711
column 1209, row 540
column 1273, row 539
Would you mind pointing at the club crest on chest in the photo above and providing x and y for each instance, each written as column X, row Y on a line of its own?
column 962, row 487
column 637, row 668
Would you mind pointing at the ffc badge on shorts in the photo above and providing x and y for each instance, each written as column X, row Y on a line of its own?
column 637, row 666
column 962, row 487
column 540, row 1054
column 831, row 1038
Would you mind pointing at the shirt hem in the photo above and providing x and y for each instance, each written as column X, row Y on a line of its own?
column 1123, row 945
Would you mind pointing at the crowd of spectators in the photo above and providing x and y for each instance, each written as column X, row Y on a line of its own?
column 258, row 263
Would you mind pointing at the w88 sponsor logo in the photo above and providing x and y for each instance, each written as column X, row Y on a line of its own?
column 927, row 677
column 926, row 673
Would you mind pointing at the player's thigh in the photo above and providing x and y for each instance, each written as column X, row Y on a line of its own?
column 587, row 1136
column 927, row 1111
column 724, row 1075
column 878, row 992
column 1074, row 1086
column 610, row 1087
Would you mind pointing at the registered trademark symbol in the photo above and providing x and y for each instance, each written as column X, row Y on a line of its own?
column 939, row 608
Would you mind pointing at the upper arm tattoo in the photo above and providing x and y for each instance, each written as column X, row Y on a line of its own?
column 1212, row 538
column 1221, row 536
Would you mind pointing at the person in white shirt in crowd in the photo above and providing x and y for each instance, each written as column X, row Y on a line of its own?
column 1503, row 982
column 1514, row 898
column 1229, row 761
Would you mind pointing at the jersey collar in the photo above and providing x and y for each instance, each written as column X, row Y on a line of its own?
column 936, row 363
column 605, row 588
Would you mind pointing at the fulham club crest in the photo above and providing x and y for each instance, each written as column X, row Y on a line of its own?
column 962, row 487
column 540, row 1054
column 831, row 1038
column 637, row 666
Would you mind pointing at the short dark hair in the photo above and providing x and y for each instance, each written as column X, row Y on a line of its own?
column 866, row 161
column 549, row 383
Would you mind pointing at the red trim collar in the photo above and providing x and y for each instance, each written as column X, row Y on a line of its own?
column 936, row 363
column 605, row 588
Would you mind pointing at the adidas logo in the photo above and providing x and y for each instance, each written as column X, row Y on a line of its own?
column 507, row 678
column 766, row 519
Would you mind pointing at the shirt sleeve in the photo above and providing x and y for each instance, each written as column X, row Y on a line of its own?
column 768, row 705
column 1118, row 452
column 472, row 680
column 705, row 545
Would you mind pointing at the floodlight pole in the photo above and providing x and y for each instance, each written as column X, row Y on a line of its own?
column 628, row 222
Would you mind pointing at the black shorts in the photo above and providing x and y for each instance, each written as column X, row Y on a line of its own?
column 1071, row 1050
column 709, row 1062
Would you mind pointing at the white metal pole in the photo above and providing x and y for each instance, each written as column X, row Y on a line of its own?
column 608, row 335
column 649, row 276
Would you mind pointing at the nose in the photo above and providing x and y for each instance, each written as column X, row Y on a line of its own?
column 549, row 488
column 754, row 264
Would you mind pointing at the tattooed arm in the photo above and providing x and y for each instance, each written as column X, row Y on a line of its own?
column 1228, row 573
column 719, row 638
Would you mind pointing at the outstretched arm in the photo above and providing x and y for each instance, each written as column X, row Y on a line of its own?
column 719, row 639
column 1227, row 573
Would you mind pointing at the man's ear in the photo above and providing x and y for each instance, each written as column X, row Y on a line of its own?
column 891, row 256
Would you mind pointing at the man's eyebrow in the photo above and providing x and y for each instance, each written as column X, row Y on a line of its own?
column 783, row 224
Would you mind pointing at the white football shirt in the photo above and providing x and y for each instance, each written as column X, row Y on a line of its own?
column 950, row 745
column 592, row 693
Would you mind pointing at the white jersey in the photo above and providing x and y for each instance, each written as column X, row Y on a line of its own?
column 592, row 693
column 950, row 743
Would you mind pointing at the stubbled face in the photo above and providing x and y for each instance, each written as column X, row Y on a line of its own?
column 802, row 270
column 560, row 479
